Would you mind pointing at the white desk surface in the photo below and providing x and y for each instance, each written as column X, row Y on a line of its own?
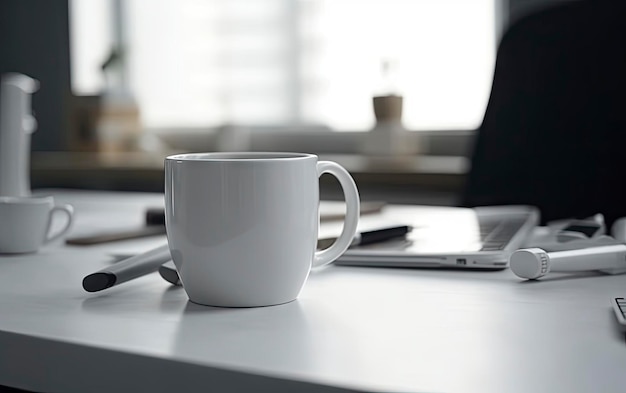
column 364, row 329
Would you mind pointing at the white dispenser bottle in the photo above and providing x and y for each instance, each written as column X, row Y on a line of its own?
column 16, row 126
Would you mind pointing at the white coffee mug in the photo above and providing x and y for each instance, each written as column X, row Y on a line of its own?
column 242, row 227
column 26, row 223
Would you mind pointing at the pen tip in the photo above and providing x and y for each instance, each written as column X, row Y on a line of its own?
column 98, row 281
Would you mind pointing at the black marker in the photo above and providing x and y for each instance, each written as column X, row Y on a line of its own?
column 128, row 269
column 170, row 274
column 155, row 260
column 370, row 237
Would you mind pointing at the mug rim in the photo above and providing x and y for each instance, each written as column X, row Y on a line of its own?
column 26, row 200
column 244, row 156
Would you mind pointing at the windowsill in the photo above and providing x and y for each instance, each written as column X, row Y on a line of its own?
column 407, row 179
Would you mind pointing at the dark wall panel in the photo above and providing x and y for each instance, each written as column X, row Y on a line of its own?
column 34, row 40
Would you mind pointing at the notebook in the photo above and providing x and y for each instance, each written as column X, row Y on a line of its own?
column 445, row 237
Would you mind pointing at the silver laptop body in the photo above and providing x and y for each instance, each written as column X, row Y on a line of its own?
column 447, row 237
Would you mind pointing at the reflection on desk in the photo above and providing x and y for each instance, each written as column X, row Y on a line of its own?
column 352, row 329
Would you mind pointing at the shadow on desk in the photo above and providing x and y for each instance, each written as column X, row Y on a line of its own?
column 6, row 389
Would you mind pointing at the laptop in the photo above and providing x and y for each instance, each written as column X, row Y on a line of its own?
column 441, row 237
column 445, row 237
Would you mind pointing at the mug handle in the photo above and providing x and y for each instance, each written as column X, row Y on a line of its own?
column 351, row 221
column 68, row 210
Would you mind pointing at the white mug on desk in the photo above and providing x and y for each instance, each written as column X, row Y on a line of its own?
column 26, row 223
column 242, row 227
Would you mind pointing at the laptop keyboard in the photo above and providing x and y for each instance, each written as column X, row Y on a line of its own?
column 619, row 306
column 497, row 233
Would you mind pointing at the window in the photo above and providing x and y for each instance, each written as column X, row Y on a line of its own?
column 203, row 63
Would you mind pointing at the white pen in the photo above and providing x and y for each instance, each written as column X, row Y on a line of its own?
column 155, row 259
column 128, row 269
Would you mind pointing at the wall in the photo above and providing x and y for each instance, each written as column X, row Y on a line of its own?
column 34, row 40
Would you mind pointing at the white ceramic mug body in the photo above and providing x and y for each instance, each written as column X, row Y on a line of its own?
column 26, row 222
column 242, row 227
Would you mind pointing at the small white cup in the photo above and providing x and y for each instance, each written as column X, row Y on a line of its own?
column 242, row 227
column 26, row 223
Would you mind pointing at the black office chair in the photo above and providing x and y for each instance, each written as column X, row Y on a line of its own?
column 554, row 132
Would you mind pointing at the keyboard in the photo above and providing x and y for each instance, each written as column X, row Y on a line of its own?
column 619, row 306
column 496, row 234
